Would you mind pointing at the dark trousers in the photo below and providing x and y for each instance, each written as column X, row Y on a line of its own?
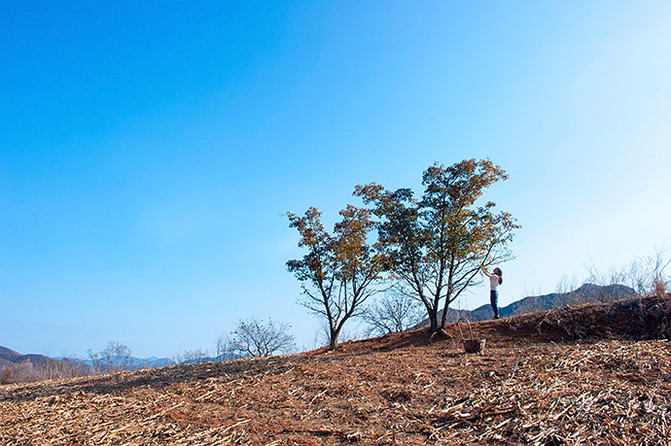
column 494, row 299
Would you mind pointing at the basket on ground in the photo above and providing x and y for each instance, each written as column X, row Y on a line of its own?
column 471, row 345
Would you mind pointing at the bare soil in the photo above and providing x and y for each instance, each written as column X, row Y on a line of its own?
column 590, row 375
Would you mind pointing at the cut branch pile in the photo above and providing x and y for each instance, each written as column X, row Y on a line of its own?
column 612, row 392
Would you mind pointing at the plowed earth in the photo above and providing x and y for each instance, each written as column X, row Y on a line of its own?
column 597, row 374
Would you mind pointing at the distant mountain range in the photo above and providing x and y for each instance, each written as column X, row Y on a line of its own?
column 133, row 362
column 9, row 357
column 16, row 367
column 586, row 293
column 153, row 361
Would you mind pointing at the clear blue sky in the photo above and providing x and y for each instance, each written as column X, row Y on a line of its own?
column 149, row 150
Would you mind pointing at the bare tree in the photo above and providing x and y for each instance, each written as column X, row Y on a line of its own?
column 256, row 338
column 113, row 357
column 348, row 333
column 223, row 347
column 393, row 313
column 191, row 357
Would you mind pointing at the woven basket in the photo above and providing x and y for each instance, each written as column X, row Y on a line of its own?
column 474, row 345
column 471, row 345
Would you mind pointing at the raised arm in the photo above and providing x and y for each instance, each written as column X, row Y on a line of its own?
column 485, row 272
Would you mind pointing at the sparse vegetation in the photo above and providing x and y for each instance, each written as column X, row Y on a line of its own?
column 645, row 275
column 393, row 313
column 27, row 371
column 191, row 357
column 114, row 357
column 256, row 338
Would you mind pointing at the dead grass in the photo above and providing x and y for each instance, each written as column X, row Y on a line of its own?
column 534, row 384
column 26, row 371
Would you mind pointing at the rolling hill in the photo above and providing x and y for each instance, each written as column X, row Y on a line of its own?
column 590, row 374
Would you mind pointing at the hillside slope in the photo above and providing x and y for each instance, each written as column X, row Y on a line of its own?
column 534, row 384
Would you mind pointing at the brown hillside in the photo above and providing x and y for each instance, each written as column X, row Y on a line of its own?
column 596, row 374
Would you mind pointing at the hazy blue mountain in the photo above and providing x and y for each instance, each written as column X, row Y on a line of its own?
column 154, row 361
column 139, row 363
column 136, row 363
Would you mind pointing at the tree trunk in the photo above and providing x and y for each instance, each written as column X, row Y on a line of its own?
column 446, row 308
column 333, row 338
column 333, row 342
column 433, row 318
column 443, row 321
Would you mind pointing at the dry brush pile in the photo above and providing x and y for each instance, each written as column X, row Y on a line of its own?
column 400, row 389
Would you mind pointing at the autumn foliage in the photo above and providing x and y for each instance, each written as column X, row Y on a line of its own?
column 432, row 247
column 339, row 269
column 436, row 245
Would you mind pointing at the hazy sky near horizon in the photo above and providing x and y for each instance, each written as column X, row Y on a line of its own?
column 150, row 150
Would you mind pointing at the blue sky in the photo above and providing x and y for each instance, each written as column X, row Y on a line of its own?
column 149, row 151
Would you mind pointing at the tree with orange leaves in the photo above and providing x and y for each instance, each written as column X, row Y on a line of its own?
column 435, row 246
column 339, row 271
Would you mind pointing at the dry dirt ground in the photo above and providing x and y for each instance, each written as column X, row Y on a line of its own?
column 590, row 375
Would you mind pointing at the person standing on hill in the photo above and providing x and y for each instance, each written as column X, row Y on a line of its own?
column 495, row 279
